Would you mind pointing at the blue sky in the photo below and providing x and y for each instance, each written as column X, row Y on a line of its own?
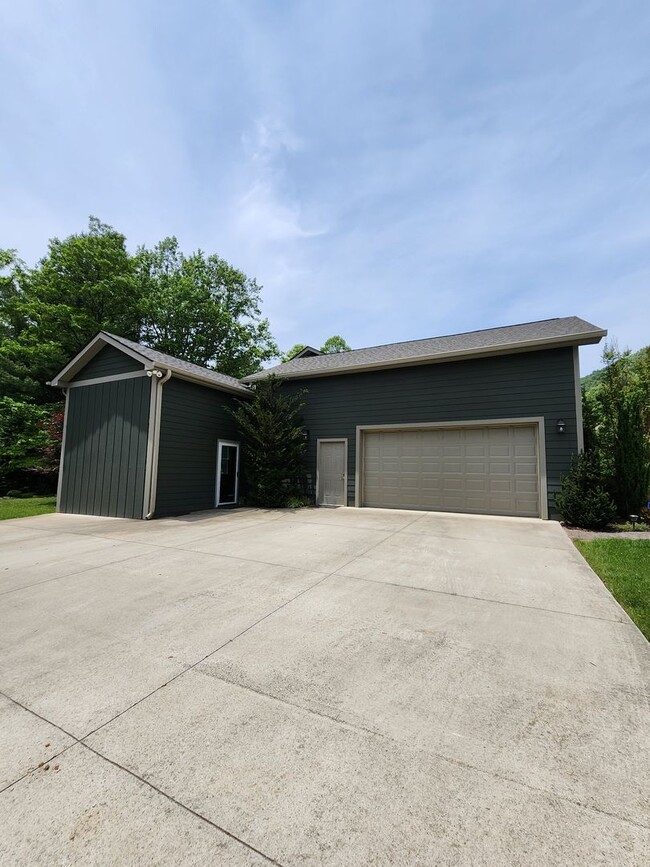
column 386, row 170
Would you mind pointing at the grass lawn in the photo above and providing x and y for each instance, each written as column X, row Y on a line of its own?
column 624, row 566
column 23, row 507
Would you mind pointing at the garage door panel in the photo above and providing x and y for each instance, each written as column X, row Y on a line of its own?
column 487, row 470
column 526, row 486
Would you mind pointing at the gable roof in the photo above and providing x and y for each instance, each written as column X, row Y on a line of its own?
column 547, row 333
column 306, row 352
column 151, row 359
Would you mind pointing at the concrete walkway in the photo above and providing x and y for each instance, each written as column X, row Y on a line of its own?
column 323, row 687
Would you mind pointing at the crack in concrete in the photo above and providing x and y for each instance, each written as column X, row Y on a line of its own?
column 368, row 732
column 333, row 717
column 72, row 574
column 340, row 574
column 80, row 743
column 183, row 806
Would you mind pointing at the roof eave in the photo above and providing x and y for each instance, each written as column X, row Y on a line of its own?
column 179, row 373
column 581, row 339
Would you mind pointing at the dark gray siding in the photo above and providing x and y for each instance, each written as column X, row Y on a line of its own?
column 108, row 362
column 193, row 419
column 505, row 386
column 105, row 448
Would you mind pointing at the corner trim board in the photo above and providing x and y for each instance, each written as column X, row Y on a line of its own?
column 580, row 431
column 527, row 421
column 59, row 483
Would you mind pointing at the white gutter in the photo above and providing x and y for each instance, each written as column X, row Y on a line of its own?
column 154, row 442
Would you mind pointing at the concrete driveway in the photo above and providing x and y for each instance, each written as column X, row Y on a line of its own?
column 340, row 687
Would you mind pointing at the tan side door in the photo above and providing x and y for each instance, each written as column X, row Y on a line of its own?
column 332, row 472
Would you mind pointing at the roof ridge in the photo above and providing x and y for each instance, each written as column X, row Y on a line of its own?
column 453, row 334
column 555, row 330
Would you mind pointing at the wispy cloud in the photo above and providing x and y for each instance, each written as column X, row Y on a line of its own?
column 386, row 171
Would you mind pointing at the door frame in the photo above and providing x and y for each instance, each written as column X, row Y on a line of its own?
column 537, row 422
column 220, row 444
column 343, row 440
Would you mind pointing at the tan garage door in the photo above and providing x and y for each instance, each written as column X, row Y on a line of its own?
column 491, row 470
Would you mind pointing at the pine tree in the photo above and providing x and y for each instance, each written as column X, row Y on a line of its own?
column 273, row 444
column 583, row 500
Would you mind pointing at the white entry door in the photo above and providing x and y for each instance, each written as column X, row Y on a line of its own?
column 331, row 476
column 227, row 473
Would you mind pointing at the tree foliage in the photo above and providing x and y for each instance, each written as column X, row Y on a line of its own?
column 201, row 309
column 30, row 445
column 273, row 444
column 616, row 408
column 197, row 307
column 333, row 344
column 85, row 283
column 583, row 499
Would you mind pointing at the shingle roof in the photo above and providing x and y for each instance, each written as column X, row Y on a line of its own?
column 569, row 330
column 177, row 365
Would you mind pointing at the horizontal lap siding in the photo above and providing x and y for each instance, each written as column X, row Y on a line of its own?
column 109, row 362
column 106, row 449
column 193, row 419
column 505, row 386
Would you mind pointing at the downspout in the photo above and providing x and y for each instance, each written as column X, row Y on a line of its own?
column 158, row 383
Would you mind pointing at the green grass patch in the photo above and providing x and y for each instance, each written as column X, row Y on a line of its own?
column 624, row 567
column 23, row 507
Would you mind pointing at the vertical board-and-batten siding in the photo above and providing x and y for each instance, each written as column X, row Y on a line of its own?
column 108, row 362
column 106, row 448
column 517, row 385
column 193, row 419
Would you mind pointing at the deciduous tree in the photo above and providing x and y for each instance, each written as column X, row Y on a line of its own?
column 202, row 309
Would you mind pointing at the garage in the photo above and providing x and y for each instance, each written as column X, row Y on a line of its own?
column 483, row 469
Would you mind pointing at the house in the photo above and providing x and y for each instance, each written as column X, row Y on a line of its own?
column 485, row 422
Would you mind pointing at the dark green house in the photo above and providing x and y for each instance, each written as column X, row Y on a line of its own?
column 484, row 422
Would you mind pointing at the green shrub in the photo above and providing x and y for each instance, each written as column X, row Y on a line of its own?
column 273, row 445
column 583, row 499
column 298, row 502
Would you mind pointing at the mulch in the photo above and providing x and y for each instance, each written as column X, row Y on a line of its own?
column 588, row 535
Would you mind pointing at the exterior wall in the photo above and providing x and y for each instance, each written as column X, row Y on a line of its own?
column 505, row 386
column 105, row 448
column 193, row 419
column 108, row 362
